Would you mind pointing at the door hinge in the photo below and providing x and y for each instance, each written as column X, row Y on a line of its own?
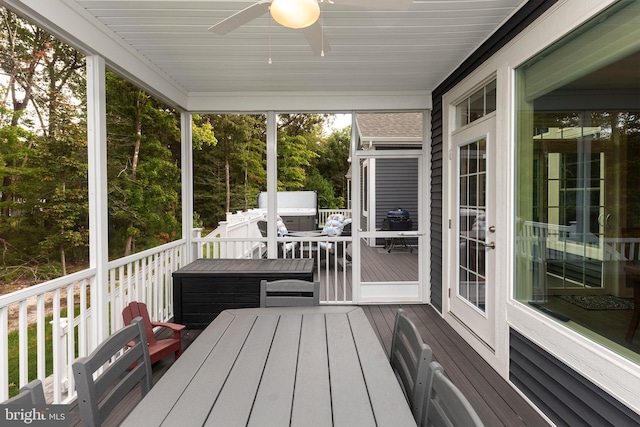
column 449, row 291
column 449, row 224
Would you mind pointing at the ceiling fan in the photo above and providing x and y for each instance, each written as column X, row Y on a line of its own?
column 301, row 14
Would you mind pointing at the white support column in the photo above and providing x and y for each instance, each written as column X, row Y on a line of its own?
column 424, row 209
column 272, row 182
column 98, row 202
column 186, row 162
column 355, row 211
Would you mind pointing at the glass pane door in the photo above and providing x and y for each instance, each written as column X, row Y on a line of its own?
column 471, row 211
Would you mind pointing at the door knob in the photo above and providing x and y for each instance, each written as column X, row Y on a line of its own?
column 490, row 245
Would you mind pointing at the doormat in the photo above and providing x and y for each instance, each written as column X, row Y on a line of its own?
column 598, row 302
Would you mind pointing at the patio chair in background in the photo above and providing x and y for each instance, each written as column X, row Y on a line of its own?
column 158, row 349
column 283, row 248
column 336, row 250
column 410, row 358
column 31, row 394
column 342, row 247
column 289, row 293
column 445, row 404
column 262, row 226
column 97, row 397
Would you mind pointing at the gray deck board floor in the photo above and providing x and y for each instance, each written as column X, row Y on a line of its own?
column 377, row 265
column 496, row 401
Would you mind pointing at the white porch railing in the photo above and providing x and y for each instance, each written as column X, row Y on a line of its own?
column 239, row 237
column 51, row 323
column 38, row 317
column 331, row 267
column 239, row 231
column 324, row 214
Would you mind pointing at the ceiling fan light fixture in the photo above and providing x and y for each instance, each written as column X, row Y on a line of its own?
column 295, row 13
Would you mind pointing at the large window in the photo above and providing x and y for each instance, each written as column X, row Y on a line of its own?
column 578, row 195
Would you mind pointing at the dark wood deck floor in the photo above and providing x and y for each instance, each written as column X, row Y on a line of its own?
column 496, row 402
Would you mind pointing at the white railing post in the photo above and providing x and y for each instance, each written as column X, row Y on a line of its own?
column 197, row 246
column 62, row 344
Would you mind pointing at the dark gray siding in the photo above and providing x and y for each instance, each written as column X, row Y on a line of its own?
column 566, row 397
column 436, row 202
column 519, row 21
column 396, row 187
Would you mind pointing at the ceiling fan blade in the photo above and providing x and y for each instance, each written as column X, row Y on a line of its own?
column 238, row 19
column 317, row 40
column 375, row 4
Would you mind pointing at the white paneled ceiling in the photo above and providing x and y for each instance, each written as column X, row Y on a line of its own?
column 371, row 50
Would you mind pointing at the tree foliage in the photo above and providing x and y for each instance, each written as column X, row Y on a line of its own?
column 143, row 175
column 230, row 173
column 332, row 166
column 43, row 156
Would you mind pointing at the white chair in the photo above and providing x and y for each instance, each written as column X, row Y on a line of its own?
column 410, row 358
column 97, row 397
column 289, row 293
column 30, row 394
column 445, row 405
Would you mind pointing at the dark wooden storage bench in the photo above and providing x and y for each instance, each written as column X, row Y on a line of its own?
column 206, row 287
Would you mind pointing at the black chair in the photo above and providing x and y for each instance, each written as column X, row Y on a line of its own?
column 445, row 404
column 410, row 358
column 97, row 397
column 30, row 394
column 335, row 251
column 282, row 248
column 343, row 247
column 262, row 226
column 289, row 293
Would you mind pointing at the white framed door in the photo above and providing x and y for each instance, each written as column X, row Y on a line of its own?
column 472, row 229
column 387, row 263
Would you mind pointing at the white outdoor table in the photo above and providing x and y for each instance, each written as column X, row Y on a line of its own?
column 298, row 366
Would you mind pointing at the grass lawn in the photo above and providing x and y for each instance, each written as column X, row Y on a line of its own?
column 14, row 353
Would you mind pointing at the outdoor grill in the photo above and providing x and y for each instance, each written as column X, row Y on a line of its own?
column 397, row 220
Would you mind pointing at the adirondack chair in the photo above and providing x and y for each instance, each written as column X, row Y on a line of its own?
column 158, row 349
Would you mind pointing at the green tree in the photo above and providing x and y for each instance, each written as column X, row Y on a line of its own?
column 229, row 174
column 63, row 204
column 23, row 49
column 143, row 175
column 62, row 158
column 43, row 165
column 16, row 144
column 332, row 164
column 326, row 193
column 298, row 139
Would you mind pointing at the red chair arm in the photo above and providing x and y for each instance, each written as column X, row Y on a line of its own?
column 175, row 327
